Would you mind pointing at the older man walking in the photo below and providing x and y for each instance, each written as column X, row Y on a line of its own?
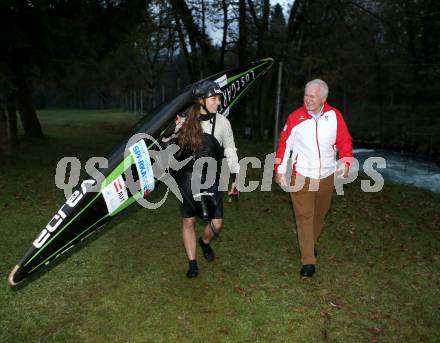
column 312, row 136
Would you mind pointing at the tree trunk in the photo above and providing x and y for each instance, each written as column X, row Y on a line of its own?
column 225, row 34
column 12, row 119
column 203, row 18
column 242, row 120
column 379, row 98
column 261, row 24
column 28, row 115
column 184, row 48
column 292, row 48
column 4, row 140
column 412, row 59
column 195, row 36
column 269, row 108
column 263, row 90
column 262, row 28
column 295, row 23
column 242, row 34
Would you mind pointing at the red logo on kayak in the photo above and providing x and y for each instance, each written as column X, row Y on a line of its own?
column 118, row 185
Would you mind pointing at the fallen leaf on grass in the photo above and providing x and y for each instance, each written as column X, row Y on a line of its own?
column 336, row 305
column 376, row 330
column 333, row 259
column 225, row 330
column 239, row 290
column 403, row 248
column 413, row 258
column 324, row 314
column 415, row 288
column 273, row 290
column 301, row 309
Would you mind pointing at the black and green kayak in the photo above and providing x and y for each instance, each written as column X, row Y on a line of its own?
column 95, row 202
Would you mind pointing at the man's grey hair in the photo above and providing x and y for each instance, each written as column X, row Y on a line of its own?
column 322, row 85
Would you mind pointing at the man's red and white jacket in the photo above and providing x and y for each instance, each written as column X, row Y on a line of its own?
column 312, row 144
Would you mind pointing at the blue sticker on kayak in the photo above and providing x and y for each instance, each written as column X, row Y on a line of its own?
column 141, row 156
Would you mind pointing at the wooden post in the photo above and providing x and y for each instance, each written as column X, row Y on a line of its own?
column 141, row 102
column 277, row 110
column 135, row 101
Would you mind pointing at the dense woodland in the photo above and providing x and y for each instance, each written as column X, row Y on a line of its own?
column 380, row 58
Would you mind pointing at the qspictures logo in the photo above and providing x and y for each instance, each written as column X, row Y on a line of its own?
column 161, row 164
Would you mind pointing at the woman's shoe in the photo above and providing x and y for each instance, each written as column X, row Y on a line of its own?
column 207, row 250
column 193, row 270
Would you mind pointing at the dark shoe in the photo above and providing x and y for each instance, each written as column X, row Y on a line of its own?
column 307, row 270
column 207, row 250
column 193, row 270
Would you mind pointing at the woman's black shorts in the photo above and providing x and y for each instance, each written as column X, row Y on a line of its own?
column 192, row 207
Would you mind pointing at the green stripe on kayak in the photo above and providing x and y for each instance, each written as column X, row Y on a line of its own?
column 62, row 229
column 232, row 79
column 65, row 245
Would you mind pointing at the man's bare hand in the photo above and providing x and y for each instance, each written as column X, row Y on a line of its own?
column 280, row 179
column 233, row 190
column 343, row 171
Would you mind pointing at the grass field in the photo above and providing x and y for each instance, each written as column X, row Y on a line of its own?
column 378, row 271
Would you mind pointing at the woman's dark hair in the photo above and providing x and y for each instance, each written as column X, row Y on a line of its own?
column 190, row 135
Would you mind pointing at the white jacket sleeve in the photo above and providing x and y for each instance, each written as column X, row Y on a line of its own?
column 229, row 147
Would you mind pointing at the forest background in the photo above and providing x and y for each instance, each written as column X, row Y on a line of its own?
column 380, row 59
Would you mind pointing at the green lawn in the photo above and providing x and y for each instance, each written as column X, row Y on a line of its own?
column 378, row 273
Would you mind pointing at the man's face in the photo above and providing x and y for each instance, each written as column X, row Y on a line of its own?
column 313, row 100
column 212, row 103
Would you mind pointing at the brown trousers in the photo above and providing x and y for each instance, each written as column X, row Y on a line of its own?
column 310, row 204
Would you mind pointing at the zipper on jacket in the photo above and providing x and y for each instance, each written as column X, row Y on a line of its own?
column 317, row 144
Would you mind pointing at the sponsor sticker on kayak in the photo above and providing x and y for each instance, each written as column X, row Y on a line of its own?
column 222, row 81
column 115, row 194
column 141, row 156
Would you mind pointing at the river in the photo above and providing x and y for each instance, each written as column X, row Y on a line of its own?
column 404, row 169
